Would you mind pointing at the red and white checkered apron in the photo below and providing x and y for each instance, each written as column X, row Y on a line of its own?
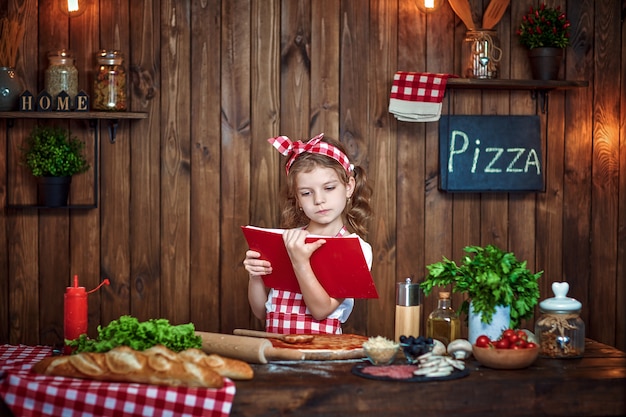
column 290, row 316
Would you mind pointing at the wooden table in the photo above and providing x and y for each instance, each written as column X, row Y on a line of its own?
column 592, row 386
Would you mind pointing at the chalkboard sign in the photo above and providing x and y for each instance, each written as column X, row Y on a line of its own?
column 490, row 153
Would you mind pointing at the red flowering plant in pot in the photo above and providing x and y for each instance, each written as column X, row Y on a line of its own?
column 545, row 32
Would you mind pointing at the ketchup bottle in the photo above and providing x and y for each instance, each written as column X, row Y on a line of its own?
column 75, row 311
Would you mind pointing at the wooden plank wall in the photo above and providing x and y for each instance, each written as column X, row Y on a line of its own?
column 218, row 77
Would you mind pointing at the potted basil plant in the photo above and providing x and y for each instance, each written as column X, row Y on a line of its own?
column 53, row 156
column 494, row 281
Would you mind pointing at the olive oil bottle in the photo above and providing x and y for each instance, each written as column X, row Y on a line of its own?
column 443, row 323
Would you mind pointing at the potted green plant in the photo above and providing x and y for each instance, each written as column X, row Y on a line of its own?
column 492, row 279
column 545, row 32
column 53, row 156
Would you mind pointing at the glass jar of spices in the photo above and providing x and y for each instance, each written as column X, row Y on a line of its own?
column 109, row 82
column 61, row 74
column 560, row 329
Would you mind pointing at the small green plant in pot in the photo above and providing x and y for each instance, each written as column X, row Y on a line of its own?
column 52, row 153
column 491, row 278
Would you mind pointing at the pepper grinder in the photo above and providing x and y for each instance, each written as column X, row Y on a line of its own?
column 75, row 311
column 408, row 309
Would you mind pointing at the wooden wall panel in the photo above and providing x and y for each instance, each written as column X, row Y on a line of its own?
column 235, row 172
column 205, row 165
column 115, row 177
column 381, row 141
column 144, row 208
column 84, row 227
column 411, row 154
column 620, row 313
column 578, row 143
column 442, row 208
column 354, row 118
column 265, row 168
column 605, row 176
column 217, row 78
column 175, row 159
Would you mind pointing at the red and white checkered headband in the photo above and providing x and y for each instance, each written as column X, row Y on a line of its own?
column 285, row 146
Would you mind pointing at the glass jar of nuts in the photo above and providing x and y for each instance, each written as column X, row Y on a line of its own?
column 109, row 82
column 61, row 74
column 560, row 329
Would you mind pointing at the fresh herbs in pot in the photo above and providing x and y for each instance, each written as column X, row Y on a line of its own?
column 128, row 331
column 490, row 277
column 54, row 152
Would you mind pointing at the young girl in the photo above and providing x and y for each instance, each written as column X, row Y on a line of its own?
column 325, row 195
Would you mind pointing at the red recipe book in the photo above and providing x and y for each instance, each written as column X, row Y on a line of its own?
column 339, row 264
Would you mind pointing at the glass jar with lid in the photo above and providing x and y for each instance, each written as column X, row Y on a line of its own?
column 481, row 54
column 109, row 91
column 560, row 329
column 61, row 74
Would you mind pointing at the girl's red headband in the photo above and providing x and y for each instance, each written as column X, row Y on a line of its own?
column 285, row 146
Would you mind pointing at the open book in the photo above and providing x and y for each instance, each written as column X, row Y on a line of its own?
column 339, row 264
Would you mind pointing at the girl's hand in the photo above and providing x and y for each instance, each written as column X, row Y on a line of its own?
column 299, row 251
column 256, row 266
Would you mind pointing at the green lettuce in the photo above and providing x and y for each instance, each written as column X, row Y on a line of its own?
column 128, row 331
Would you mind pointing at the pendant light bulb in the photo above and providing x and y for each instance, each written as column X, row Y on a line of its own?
column 73, row 8
column 429, row 6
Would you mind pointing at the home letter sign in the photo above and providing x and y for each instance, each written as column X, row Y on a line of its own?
column 490, row 153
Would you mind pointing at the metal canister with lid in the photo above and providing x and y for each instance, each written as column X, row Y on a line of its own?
column 408, row 309
column 110, row 81
column 560, row 329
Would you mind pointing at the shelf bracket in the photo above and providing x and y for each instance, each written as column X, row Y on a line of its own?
column 543, row 99
column 113, row 124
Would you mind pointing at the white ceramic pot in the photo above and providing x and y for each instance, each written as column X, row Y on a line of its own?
column 499, row 321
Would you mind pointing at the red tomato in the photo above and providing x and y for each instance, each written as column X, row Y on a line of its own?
column 521, row 343
column 531, row 345
column 483, row 341
column 516, row 347
column 507, row 333
column 513, row 338
column 503, row 344
column 521, row 334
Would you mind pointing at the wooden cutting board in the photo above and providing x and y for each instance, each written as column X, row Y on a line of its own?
column 327, row 347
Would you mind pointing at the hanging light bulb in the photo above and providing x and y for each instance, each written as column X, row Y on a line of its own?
column 73, row 7
column 429, row 6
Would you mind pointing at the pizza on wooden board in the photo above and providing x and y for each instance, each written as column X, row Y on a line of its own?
column 326, row 346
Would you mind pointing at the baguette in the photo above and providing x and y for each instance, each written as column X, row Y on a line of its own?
column 226, row 367
column 157, row 365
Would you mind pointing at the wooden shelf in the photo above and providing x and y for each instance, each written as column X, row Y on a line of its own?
column 72, row 115
column 112, row 116
column 534, row 86
column 501, row 84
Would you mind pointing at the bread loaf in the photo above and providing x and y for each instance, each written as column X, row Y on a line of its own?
column 157, row 365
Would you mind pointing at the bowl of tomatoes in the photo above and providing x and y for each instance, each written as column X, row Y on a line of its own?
column 514, row 349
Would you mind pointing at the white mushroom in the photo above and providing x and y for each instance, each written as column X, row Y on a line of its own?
column 460, row 349
column 439, row 348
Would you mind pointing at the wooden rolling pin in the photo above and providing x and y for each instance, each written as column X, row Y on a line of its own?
column 288, row 338
column 249, row 349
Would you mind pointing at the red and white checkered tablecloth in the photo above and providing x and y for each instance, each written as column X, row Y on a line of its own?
column 28, row 394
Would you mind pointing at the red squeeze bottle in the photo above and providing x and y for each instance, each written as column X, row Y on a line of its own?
column 75, row 311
